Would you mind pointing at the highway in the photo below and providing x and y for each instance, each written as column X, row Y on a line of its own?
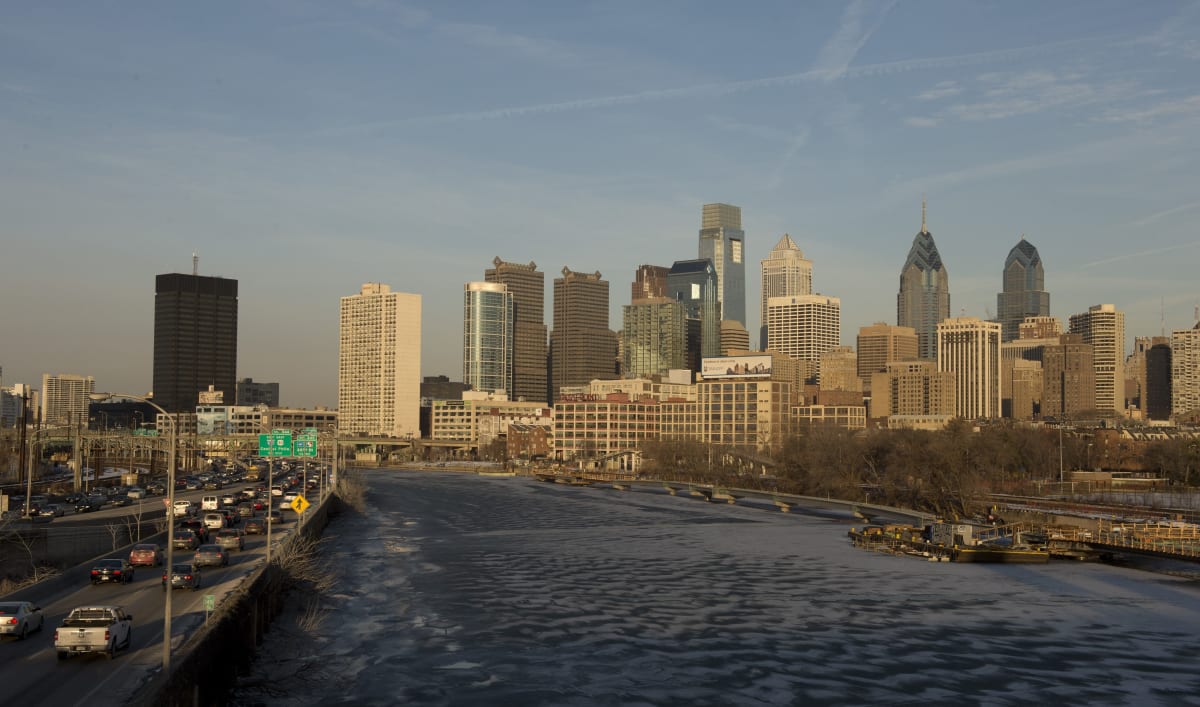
column 31, row 672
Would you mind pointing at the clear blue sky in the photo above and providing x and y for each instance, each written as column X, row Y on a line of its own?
column 304, row 148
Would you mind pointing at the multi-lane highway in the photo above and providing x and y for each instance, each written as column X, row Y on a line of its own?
column 31, row 672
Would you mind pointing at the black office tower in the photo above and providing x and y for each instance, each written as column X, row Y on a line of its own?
column 195, row 339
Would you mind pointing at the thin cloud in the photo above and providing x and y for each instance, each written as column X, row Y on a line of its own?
column 1146, row 221
column 943, row 89
column 839, row 51
column 1190, row 104
column 717, row 89
column 1141, row 254
column 922, row 122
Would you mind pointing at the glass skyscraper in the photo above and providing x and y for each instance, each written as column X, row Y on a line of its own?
column 722, row 241
column 924, row 298
column 1024, row 293
column 693, row 283
column 488, row 337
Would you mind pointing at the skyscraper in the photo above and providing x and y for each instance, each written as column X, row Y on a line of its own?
column 1103, row 327
column 1068, row 378
column 379, row 362
column 694, row 284
column 785, row 273
column 195, row 339
column 649, row 281
column 970, row 348
column 1185, row 372
column 804, row 326
column 880, row 344
column 924, row 298
column 1157, row 391
column 1024, row 293
column 65, row 399
column 653, row 337
column 582, row 347
column 488, row 337
column 528, row 288
column 722, row 242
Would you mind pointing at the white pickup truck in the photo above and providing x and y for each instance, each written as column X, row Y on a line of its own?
column 94, row 629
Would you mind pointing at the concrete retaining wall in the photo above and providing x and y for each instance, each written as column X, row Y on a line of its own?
column 205, row 668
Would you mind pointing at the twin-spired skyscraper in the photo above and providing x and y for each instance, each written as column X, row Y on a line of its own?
column 1024, row 293
column 924, row 298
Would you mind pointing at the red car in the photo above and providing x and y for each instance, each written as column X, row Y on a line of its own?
column 146, row 555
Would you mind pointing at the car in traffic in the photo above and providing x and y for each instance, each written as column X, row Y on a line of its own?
column 20, row 618
column 94, row 629
column 112, row 570
column 245, row 509
column 231, row 539
column 49, row 510
column 88, row 504
column 273, row 516
column 229, row 499
column 214, row 521
column 184, row 508
column 211, row 555
column 184, row 575
column 254, row 526
column 136, row 492
column 197, row 526
column 146, row 555
column 185, row 540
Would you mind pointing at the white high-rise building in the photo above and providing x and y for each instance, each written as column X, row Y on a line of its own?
column 1103, row 327
column 969, row 348
column 65, row 399
column 785, row 273
column 488, row 337
column 1185, row 371
column 804, row 326
column 379, row 362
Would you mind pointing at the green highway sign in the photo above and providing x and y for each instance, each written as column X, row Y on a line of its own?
column 145, row 433
column 275, row 444
column 305, row 446
column 210, row 602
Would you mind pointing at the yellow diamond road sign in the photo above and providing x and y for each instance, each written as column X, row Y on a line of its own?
column 299, row 504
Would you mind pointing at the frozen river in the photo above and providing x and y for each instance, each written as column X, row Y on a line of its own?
column 455, row 589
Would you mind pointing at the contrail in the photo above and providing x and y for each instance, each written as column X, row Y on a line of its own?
column 1130, row 256
column 725, row 88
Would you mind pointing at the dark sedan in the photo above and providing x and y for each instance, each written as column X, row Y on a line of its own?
column 184, row 575
column 186, row 540
column 211, row 556
column 112, row 570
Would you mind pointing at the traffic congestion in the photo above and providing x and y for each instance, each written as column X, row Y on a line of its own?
column 52, row 642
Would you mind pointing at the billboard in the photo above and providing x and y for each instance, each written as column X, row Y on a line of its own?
column 735, row 367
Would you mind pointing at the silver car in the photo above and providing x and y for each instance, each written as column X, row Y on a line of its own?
column 20, row 618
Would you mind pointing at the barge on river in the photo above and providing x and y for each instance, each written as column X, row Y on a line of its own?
column 949, row 542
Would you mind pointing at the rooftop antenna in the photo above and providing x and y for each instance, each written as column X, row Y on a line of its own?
column 923, row 229
column 195, row 264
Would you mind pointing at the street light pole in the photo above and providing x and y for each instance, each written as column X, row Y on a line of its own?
column 170, row 516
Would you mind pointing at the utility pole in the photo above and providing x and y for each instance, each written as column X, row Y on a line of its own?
column 24, row 468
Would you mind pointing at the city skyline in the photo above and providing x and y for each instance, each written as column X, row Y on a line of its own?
column 312, row 149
